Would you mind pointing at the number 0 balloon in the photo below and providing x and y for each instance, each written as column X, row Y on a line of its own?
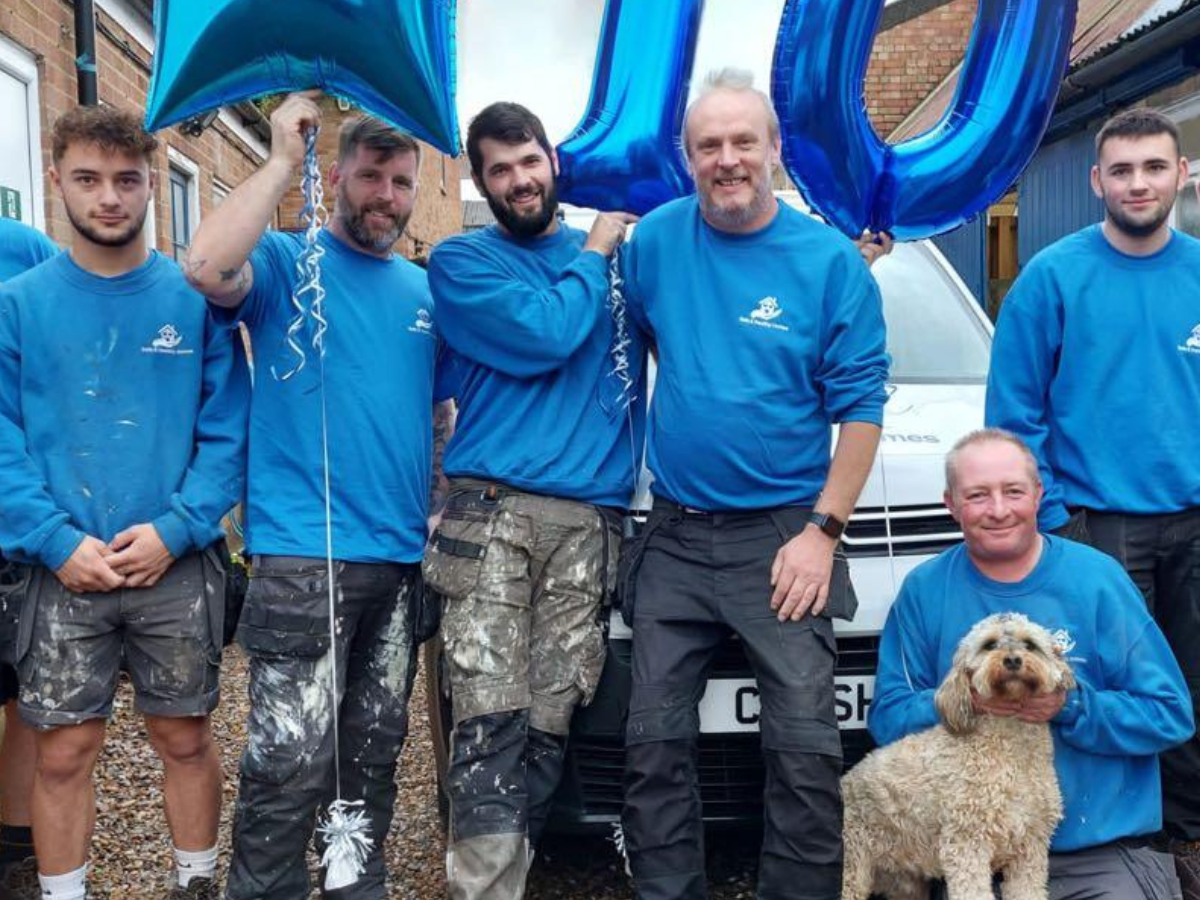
column 395, row 58
column 936, row 181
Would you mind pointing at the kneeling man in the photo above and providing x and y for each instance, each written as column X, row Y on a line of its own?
column 1130, row 703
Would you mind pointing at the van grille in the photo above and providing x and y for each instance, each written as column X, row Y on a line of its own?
column 914, row 530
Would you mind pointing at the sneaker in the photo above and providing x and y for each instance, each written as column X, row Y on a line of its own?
column 197, row 889
column 1187, row 867
column 19, row 881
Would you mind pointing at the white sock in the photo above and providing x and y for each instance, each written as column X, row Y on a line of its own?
column 64, row 887
column 195, row 864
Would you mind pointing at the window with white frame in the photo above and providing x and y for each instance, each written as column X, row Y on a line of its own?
column 183, row 201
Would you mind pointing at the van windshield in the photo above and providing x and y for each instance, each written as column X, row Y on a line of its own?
column 934, row 336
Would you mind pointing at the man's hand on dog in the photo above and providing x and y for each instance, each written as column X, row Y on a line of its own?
column 1038, row 709
column 800, row 575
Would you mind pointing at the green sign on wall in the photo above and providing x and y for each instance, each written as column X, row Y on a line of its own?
column 10, row 203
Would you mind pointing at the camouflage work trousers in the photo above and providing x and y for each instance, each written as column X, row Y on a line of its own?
column 523, row 577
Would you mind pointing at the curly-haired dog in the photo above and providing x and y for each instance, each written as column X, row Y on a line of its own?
column 967, row 798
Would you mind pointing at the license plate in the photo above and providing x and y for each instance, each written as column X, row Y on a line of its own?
column 732, row 704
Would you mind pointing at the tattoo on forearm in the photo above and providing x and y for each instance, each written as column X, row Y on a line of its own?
column 443, row 427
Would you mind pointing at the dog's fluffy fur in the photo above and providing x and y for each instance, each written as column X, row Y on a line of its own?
column 967, row 798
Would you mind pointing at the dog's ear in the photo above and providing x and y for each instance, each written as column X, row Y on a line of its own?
column 953, row 702
column 1066, row 677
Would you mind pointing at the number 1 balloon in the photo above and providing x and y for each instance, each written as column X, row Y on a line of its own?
column 625, row 153
column 394, row 58
column 936, row 181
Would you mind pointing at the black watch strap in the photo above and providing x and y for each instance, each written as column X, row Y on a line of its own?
column 829, row 524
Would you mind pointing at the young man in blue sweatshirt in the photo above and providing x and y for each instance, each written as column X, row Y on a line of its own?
column 1096, row 365
column 122, row 438
column 541, row 466
column 378, row 370
column 768, row 329
column 1130, row 703
column 21, row 248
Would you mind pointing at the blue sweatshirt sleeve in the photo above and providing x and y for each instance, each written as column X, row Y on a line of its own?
column 907, row 677
column 32, row 525
column 1143, row 709
column 492, row 317
column 852, row 374
column 215, row 479
column 1024, row 358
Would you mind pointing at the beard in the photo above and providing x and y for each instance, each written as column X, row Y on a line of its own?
column 354, row 220
column 122, row 239
column 735, row 218
column 1137, row 228
column 525, row 225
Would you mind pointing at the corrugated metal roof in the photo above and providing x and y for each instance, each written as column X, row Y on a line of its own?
column 1101, row 26
column 476, row 214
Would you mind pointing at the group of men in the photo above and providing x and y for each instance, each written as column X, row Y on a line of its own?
column 129, row 426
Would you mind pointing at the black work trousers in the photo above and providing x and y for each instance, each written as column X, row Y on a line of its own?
column 1161, row 553
column 701, row 576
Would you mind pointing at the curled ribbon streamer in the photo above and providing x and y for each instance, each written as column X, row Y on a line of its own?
column 619, row 351
column 308, row 296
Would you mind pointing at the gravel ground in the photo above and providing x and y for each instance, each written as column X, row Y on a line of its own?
column 131, row 854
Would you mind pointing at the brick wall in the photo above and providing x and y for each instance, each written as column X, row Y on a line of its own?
column 912, row 59
column 438, row 210
column 46, row 29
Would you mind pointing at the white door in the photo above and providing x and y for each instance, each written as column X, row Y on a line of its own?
column 20, row 138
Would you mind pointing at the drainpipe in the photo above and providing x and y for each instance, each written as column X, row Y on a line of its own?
column 85, row 52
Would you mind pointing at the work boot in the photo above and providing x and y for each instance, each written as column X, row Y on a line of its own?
column 197, row 889
column 1187, row 867
column 19, row 881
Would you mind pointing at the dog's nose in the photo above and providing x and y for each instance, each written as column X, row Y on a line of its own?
column 1012, row 663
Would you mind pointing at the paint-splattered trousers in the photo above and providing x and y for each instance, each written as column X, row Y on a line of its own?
column 287, row 771
column 523, row 577
column 70, row 648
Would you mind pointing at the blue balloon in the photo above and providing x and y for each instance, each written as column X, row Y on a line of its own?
column 394, row 58
column 625, row 154
column 937, row 181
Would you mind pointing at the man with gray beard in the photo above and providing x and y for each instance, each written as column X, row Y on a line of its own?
column 769, row 329
column 377, row 384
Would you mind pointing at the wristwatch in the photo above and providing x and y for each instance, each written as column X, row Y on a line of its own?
column 830, row 525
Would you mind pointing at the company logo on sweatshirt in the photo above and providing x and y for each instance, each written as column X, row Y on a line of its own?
column 168, row 341
column 423, row 323
column 1192, row 344
column 765, row 314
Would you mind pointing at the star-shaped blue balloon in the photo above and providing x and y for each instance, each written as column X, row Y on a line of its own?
column 394, row 58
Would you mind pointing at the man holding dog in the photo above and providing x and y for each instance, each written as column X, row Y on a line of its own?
column 769, row 328
column 1093, row 321
column 1130, row 702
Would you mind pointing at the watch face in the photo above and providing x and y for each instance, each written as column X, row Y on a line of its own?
column 831, row 525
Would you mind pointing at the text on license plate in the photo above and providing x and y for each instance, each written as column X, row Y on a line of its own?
column 732, row 704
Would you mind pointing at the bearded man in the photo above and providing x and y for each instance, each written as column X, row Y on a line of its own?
column 377, row 379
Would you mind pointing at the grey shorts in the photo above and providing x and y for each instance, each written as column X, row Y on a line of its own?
column 71, row 647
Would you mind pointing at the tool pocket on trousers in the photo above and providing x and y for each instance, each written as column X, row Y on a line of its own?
column 841, row 602
column 630, row 561
column 15, row 580
column 456, row 551
column 286, row 613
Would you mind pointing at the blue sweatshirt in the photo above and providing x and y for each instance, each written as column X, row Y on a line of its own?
column 21, row 248
column 381, row 349
column 121, row 402
column 1131, row 702
column 537, row 406
column 1096, row 365
column 764, row 340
